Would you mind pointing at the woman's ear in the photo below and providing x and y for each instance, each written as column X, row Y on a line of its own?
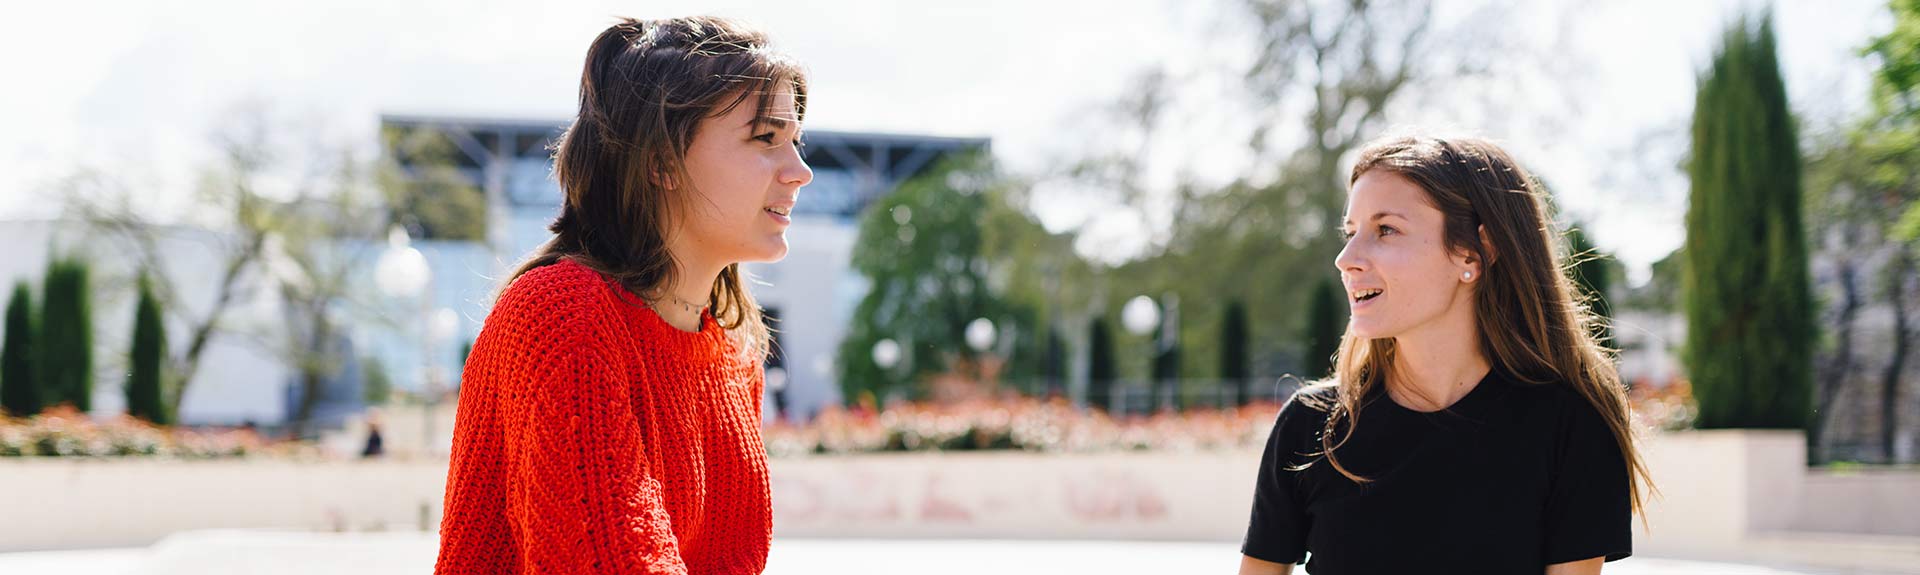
column 1475, row 264
column 660, row 170
column 1487, row 253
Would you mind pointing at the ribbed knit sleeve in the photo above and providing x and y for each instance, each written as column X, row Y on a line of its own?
column 581, row 498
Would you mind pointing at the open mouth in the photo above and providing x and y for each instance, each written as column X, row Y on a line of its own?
column 782, row 212
column 1361, row 295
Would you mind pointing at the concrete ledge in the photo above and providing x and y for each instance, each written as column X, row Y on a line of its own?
column 92, row 503
column 1727, row 495
column 1160, row 496
column 287, row 553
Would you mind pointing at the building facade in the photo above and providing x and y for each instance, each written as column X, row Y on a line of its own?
column 810, row 294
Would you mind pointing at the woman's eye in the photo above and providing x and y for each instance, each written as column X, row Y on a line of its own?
column 1346, row 234
column 1384, row 230
column 767, row 137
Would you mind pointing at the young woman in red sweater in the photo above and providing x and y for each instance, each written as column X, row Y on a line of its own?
column 609, row 417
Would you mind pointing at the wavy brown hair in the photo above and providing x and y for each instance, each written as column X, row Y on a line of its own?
column 645, row 89
column 1537, row 327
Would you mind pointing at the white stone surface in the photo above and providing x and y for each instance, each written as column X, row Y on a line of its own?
column 1726, row 496
column 292, row 553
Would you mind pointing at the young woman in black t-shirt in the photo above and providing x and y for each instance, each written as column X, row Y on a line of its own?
column 1472, row 423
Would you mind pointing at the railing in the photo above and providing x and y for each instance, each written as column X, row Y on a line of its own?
column 1141, row 397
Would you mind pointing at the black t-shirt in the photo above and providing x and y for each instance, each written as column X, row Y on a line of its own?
column 1511, row 478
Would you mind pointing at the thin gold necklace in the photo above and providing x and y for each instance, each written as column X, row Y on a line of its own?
column 684, row 304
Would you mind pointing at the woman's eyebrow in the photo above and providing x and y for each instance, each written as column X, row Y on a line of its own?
column 1377, row 216
column 778, row 123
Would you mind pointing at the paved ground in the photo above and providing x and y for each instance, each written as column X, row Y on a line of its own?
column 246, row 552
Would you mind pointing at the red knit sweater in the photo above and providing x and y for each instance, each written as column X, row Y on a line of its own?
column 593, row 437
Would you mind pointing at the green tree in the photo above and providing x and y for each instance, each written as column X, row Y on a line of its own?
column 1053, row 366
column 1320, row 77
column 928, row 251
column 1235, row 365
column 66, row 336
column 1324, row 327
column 20, row 392
column 432, row 197
column 1746, row 290
column 302, row 244
column 1101, row 370
column 1661, row 293
column 377, row 385
column 1872, row 172
column 318, row 243
column 1897, row 74
column 144, row 380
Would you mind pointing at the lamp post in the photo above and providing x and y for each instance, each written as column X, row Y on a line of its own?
column 1050, row 354
column 980, row 335
column 402, row 273
column 886, row 354
column 1140, row 316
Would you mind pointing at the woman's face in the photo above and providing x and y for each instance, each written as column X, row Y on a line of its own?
column 745, row 174
column 1400, row 276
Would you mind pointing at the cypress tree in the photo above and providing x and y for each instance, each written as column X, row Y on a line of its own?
column 149, row 346
column 1324, row 327
column 1234, row 366
column 1746, row 289
column 20, row 392
column 1053, row 369
column 66, row 342
column 1100, row 371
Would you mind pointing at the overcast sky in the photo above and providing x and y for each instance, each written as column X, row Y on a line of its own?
column 136, row 87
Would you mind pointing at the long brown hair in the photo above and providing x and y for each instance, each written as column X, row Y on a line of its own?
column 1536, row 325
column 646, row 87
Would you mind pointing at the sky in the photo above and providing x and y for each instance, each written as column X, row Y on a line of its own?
column 137, row 88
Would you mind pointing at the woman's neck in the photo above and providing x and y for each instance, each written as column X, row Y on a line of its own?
column 688, row 292
column 1434, row 368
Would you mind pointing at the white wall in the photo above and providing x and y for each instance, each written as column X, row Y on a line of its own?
column 239, row 379
column 1728, row 495
column 1650, row 345
column 135, row 502
column 814, row 289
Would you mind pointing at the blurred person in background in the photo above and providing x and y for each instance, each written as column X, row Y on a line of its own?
column 376, row 446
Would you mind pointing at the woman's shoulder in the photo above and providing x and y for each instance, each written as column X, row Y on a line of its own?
column 1308, row 406
column 1297, row 428
column 1315, row 396
column 561, row 281
column 553, row 300
column 1559, row 402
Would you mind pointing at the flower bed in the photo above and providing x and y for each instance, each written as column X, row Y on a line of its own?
column 1056, row 426
column 1020, row 424
column 65, row 432
column 1668, row 407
